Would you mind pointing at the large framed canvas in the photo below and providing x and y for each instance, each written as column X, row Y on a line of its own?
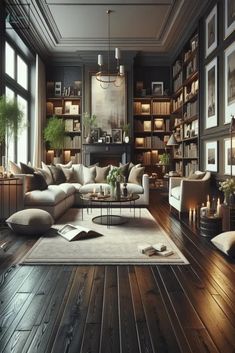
column 108, row 104
column 211, row 94
column 211, row 155
column 211, row 31
column 229, row 17
column 229, row 67
column 229, row 156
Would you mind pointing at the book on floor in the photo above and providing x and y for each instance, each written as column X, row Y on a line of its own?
column 155, row 249
column 71, row 232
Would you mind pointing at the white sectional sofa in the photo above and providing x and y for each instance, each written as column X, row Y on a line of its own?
column 56, row 199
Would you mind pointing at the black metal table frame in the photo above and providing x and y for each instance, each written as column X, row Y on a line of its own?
column 109, row 218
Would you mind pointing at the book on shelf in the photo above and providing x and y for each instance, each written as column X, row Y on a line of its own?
column 68, row 125
column 50, row 108
column 147, row 125
column 71, row 232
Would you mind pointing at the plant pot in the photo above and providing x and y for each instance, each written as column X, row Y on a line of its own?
column 88, row 139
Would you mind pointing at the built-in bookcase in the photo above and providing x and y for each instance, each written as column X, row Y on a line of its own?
column 185, row 109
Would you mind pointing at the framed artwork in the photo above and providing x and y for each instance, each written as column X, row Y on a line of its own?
column 117, row 135
column 157, row 88
column 229, row 67
column 211, row 94
column 58, row 110
column 109, row 104
column 211, row 155
column 229, row 17
column 58, row 86
column 229, row 156
column 95, row 134
column 145, row 109
column 211, row 31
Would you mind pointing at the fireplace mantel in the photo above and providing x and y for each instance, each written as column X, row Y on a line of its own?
column 96, row 152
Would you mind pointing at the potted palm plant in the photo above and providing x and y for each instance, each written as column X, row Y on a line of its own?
column 54, row 134
column 11, row 121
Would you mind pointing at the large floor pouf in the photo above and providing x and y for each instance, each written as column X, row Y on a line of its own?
column 30, row 221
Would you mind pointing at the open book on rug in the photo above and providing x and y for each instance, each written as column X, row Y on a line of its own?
column 71, row 232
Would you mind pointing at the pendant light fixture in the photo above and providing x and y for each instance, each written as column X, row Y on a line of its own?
column 106, row 76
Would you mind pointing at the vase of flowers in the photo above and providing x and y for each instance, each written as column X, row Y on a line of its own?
column 228, row 188
column 113, row 179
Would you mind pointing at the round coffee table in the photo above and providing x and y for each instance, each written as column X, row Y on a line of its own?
column 109, row 218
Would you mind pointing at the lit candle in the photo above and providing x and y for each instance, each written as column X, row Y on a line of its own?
column 190, row 215
column 117, row 53
column 121, row 70
column 208, row 204
column 100, row 60
column 194, row 215
column 218, row 208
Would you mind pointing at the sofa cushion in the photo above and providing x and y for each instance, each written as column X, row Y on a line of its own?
column 84, row 189
column 175, row 192
column 89, row 175
column 57, row 174
column 196, row 176
column 225, row 242
column 124, row 169
column 49, row 197
column 78, row 173
column 47, row 175
column 49, row 178
column 135, row 176
column 26, row 169
column 69, row 174
column 14, row 168
column 101, row 174
column 68, row 188
column 67, row 165
column 35, row 181
column 30, row 221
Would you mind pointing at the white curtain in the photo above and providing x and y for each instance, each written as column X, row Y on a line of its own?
column 40, row 113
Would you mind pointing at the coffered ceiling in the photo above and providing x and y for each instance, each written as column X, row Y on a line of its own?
column 74, row 27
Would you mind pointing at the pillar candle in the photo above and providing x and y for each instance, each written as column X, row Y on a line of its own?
column 100, row 60
column 208, row 204
column 194, row 215
column 121, row 70
column 117, row 53
column 218, row 208
column 190, row 215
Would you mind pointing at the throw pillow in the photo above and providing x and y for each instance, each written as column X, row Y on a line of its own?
column 30, row 221
column 35, row 181
column 68, row 165
column 69, row 174
column 225, row 242
column 124, row 169
column 135, row 176
column 26, row 169
column 196, row 176
column 49, row 175
column 57, row 174
column 14, row 168
column 89, row 175
column 101, row 174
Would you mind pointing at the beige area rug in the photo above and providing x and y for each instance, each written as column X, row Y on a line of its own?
column 118, row 245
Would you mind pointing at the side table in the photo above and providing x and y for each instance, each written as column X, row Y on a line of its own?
column 210, row 226
column 11, row 196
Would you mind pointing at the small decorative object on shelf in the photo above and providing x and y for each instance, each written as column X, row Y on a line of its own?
column 124, row 190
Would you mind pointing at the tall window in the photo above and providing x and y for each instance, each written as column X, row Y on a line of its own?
column 17, row 78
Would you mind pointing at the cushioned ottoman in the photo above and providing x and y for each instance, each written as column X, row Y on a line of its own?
column 30, row 221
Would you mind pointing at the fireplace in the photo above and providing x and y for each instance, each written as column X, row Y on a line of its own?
column 110, row 153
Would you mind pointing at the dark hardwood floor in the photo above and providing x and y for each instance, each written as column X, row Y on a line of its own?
column 112, row 309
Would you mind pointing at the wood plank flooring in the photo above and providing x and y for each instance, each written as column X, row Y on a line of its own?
column 119, row 309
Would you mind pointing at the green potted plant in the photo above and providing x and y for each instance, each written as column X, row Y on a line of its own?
column 165, row 161
column 11, row 121
column 89, row 122
column 113, row 179
column 54, row 134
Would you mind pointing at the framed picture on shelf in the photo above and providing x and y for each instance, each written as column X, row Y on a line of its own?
column 58, row 86
column 58, row 110
column 229, row 17
column 211, row 94
column 157, row 88
column 229, row 156
column 211, row 155
column 74, row 109
column 229, row 67
column 211, row 31
column 67, row 106
column 117, row 135
column 95, row 134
